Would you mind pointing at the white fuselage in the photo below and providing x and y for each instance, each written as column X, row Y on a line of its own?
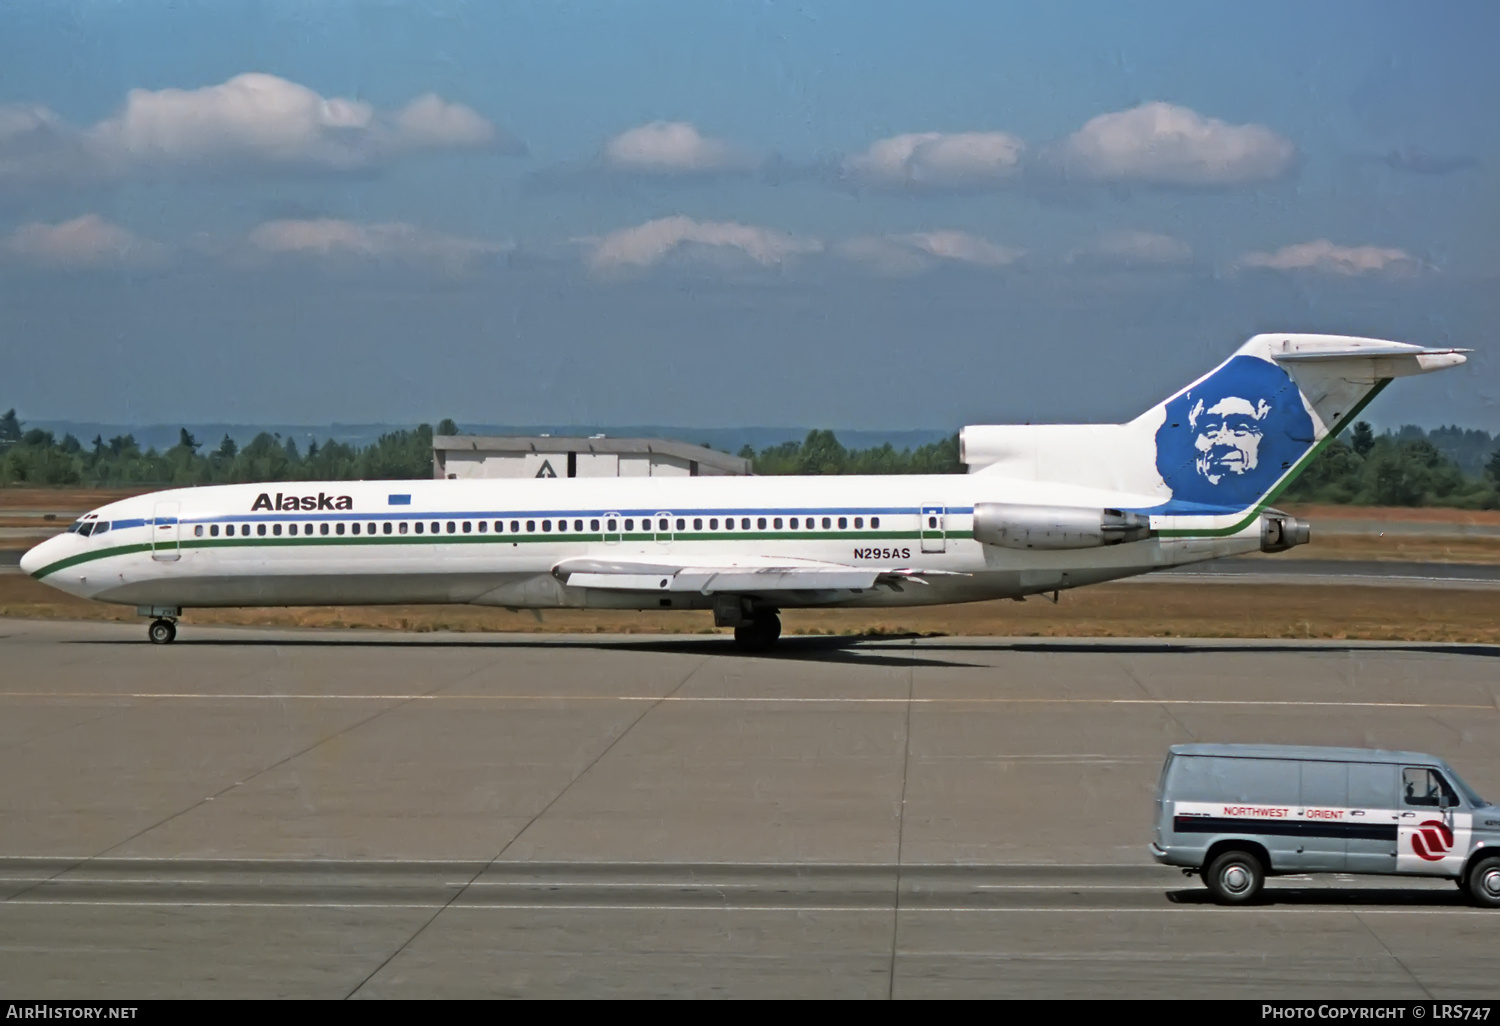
column 497, row 542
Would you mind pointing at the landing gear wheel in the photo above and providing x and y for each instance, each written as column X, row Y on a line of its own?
column 1484, row 883
column 161, row 632
column 759, row 634
column 1235, row 878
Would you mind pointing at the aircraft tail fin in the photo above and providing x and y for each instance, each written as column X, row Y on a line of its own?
column 1226, row 443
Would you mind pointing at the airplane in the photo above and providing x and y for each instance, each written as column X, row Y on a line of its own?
column 1044, row 508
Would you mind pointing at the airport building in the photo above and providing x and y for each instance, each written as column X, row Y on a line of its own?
column 466, row 457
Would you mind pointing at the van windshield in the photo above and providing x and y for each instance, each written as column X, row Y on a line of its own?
column 1464, row 789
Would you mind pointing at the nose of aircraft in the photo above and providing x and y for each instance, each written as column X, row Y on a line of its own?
column 33, row 559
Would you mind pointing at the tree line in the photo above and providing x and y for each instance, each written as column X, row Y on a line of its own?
column 1409, row 467
column 37, row 457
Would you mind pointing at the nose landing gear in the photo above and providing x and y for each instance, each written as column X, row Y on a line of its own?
column 163, row 629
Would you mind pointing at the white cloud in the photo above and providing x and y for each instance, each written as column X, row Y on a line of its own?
column 1133, row 249
column 1326, row 257
column 251, row 121
column 901, row 255
column 391, row 243
column 672, row 148
column 938, row 160
column 1163, row 144
column 84, row 243
column 647, row 245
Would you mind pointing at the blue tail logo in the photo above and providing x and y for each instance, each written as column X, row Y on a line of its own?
column 1227, row 440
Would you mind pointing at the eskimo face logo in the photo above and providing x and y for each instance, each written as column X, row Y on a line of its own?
column 1227, row 440
column 1227, row 436
column 1433, row 840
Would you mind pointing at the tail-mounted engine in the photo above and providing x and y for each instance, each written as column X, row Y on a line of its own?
column 1015, row 526
column 1279, row 532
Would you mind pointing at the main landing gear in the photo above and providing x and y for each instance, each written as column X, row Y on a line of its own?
column 758, row 634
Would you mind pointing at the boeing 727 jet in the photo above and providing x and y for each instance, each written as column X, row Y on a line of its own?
column 1044, row 508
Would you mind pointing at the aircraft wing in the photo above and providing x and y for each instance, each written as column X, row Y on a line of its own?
column 615, row 575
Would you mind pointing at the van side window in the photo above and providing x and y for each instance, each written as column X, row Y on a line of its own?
column 1426, row 787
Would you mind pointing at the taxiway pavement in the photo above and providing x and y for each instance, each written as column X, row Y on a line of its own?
column 257, row 812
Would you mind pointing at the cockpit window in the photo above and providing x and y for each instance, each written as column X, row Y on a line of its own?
column 75, row 527
column 85, row 528
column 100, row 527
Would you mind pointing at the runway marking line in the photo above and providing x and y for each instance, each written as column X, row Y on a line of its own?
column 747, row 699
column 882, row 909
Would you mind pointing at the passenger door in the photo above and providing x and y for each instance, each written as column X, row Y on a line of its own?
column 662, row 528
column 166, row 543
column 933, row 529
column 1372, row 817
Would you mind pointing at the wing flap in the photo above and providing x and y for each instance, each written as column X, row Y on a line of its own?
column 709, row 580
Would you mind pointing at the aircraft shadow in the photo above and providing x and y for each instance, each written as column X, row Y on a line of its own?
column 843, row 649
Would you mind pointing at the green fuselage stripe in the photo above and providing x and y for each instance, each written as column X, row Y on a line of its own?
column 314, row 541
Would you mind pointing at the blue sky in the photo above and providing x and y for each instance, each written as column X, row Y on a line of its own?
column 861, row 215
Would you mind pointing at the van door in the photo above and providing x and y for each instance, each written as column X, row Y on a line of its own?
column 1433, row 835
column 1372, row 817
column 166, row 543
column 1325, row 794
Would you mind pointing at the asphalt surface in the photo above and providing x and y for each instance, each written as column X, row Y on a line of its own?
column 325, row 814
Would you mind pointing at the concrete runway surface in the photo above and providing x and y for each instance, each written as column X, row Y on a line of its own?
column 324, row 814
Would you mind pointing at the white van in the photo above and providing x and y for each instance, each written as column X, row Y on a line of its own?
column 1240, row 813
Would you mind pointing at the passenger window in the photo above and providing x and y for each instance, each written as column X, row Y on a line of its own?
column 276, row 529
column 452, row 527
column 932, row 521
column 245, row 531
column 874, row 523
column 629, row 524
column 483, row 527
column 354, row 528
column 859, row 522
column 612, row 525
column 793, row 523
column 260, row 529
column 291, row 528
column 1426, row 787
column 713, row 523
column 370, row 529
column 562, row 525
column 401, row 528
column 307, row 528
column 744, row 523
column 578, row 525
column 198, row 531
column 338, row 528
column 843, row 522
column 776, row 523
column 827, row 523
column 323, row 528
column 419, row 527
column 468, row 525
column 435, row 527
column 697, row 523
column 661, row 525
column 593, row 525
column 499, row 526
column 761, row 523
column 386, row 529
column 681, row 524
column 213, row 531
column 546, row 525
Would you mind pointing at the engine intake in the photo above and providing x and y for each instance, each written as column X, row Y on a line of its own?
column 1279, row 532
column 1015, row 526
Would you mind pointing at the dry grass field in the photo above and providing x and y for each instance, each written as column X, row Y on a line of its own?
column 1116, row 610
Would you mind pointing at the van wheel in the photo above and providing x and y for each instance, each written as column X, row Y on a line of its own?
column 1484, row 883
column 1235, row 878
